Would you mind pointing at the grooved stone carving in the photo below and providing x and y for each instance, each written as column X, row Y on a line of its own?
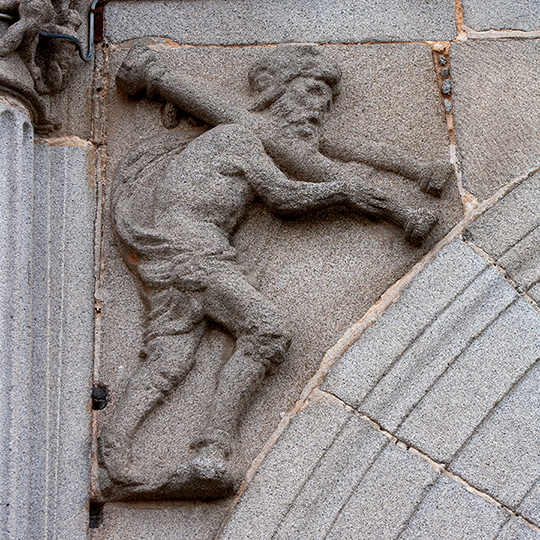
column 47, row 213
column 175, row 204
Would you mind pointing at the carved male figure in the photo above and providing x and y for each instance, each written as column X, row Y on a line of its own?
column 181, row 249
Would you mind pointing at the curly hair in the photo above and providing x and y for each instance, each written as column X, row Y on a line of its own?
column 269, row 76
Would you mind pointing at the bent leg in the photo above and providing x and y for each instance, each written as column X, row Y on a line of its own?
column 261, row 343
column 169, row 360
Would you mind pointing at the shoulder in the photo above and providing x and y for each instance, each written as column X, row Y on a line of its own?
column 236, row 136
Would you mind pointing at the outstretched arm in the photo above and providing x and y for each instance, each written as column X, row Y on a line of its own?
column 142, row 74
column 319, row 181
column 292, row 197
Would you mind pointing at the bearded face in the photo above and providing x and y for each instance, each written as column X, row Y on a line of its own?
column 302, row 107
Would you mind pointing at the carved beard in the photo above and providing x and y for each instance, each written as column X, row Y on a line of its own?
column 295, row 121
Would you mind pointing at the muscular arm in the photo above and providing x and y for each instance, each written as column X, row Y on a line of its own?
column 291, row 197
column 141, row 73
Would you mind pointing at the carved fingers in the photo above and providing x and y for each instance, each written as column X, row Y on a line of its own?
column 419, row 225
column 137, row 71
column 362, row 198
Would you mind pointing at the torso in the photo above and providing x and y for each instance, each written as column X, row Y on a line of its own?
column 204, row 191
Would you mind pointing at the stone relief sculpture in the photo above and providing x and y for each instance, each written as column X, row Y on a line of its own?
column 48, row 62
column 175, row 205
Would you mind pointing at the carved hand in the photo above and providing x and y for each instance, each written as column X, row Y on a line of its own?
column 362, row 198
column 136, row 72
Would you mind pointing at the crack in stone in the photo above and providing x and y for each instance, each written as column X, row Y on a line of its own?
column 459, row 19
column 488, row 258
column 100, row 88
column 320, row 395
column 500, row 34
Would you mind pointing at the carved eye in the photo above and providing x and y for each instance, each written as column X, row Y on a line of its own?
column 316, row 91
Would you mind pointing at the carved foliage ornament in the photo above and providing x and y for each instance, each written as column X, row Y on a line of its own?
column 175, row 204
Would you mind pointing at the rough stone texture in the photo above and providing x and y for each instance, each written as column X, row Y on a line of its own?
column 296, row 455
column 501, row 15
column 473, row 384
column 290, row 258
column 73, row 106
column 503, row 455
column 450, row 511
column 230, row 22
column 332, row 464
column 331, row 475
column 47, row 232
column 191, row 199
column 361, row 368
column 510, row 233
column 457, row 379
column 161, row 521
column 16, row 142
column 530, row 506
column 517, row 529
column 44, row 92
column 496, row 124
column 382, row 503
column 63, row 274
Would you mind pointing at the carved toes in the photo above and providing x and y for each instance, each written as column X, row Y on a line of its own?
column 115, row 456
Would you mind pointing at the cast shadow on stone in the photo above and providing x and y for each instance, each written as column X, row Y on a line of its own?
column 176, row 201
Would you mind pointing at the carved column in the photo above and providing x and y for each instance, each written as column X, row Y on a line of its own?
column 47, row 210
column 16, row 207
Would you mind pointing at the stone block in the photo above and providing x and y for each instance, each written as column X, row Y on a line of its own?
column 449, row 511
column 155, row 521
column 318, row 482
column 517, row 529
column 529, row 507
column 284, row 472
column 16, row 179
column 333, row 482
column 63, row 340
column 385, row 499
column 435, row 367
column 501, row 15
column 510, row 233
column 360, row 369
column 495, row 103
column 231, row 22
column 46, row 311
column 477, row 380
column 413, row 374
column 347, row 259
column 502, row 457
